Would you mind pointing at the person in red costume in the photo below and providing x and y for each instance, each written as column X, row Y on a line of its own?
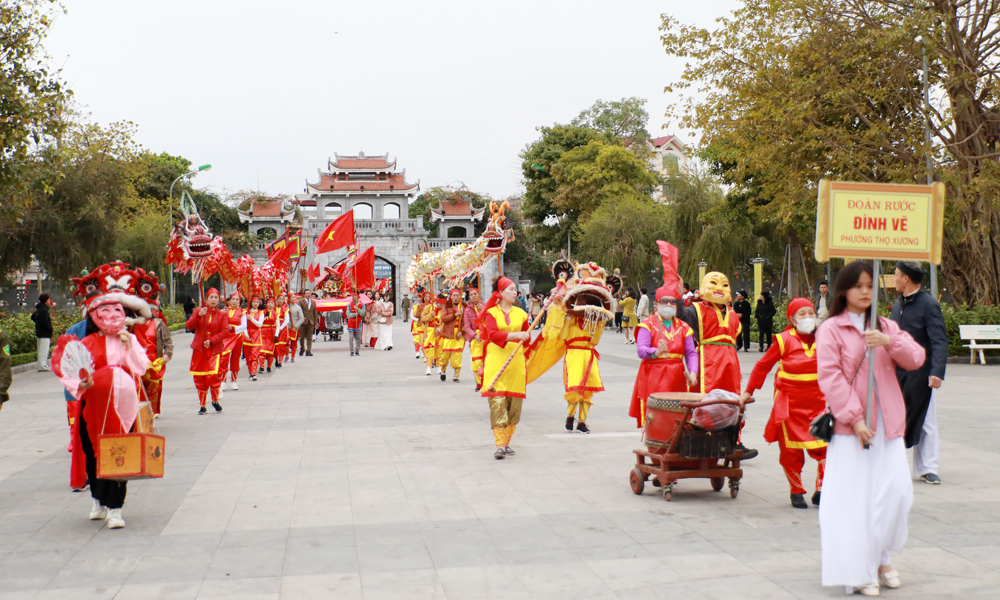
column 210, row 327
column 282, row 320
column 252, row 337
column 268, row 336
column 668, row 352
column 716, row 327
column 232, row 347
column 797, row 398
column 108, row 397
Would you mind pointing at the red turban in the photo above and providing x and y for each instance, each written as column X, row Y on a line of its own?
column 795, row 305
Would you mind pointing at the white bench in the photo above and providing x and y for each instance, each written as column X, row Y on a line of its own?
column 979, row 332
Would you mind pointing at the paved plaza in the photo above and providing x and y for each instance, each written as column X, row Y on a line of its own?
column 351, row 478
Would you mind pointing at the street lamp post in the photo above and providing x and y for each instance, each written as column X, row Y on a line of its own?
column 170, row 211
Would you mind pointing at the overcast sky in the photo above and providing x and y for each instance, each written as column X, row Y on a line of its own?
column 452, row 89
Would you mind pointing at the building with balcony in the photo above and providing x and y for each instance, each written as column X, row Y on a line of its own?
column 668, row 157
column 379, row 195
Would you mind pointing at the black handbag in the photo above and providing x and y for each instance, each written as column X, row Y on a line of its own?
column 821, row 427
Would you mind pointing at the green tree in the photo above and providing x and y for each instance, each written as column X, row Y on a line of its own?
column 618, row 120
column 32, row 99
column 551, row 226
column 590, row 175
column 622, row 235
column 806, row 89
column 74, row 226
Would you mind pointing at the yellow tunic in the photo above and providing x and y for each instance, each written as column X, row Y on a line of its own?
column 512, row 381
column 563, row 335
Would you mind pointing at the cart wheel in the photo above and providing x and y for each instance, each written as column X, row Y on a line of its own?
column 718, row 482
column 636, row 481
column 668, row 492
column 656, row 482
column 734, row 488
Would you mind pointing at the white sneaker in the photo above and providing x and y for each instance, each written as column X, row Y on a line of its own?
column 428, row 371
column 235, row 386
column 418, row 355
column 115, row 520
column 98, row 512
column 224, row 386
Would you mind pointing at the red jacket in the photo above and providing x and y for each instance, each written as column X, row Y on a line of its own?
column 214, row 326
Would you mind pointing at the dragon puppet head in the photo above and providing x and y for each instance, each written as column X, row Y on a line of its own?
column 191, row 247
column 715, row 288
column 586, row 291
column 195, row 239
column 499, row 231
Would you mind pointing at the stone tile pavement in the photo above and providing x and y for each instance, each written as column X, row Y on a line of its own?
column 346, row 478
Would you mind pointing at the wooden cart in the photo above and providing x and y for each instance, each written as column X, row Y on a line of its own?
column 687, row 453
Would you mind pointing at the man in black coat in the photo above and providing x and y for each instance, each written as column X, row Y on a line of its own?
column 919, row 315
column 743, row 309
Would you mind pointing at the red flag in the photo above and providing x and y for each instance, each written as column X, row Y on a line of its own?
column 364, row 270
column 311, row 273
column 282, row 255
column 338, row 234
column 671, row 280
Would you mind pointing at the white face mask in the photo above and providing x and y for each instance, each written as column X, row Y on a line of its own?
column 805, row 326
column 667, row 312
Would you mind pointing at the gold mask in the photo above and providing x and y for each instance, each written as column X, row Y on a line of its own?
column 715, row 288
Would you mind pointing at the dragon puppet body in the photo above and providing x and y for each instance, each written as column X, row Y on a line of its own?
column 577, row 311
column 192, row 249
column 458, row 262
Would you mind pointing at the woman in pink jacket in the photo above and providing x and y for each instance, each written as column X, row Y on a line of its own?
column 866, row 493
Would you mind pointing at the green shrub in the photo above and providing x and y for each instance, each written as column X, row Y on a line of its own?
column 965, row 315
column 21, row 328
column 23, row 359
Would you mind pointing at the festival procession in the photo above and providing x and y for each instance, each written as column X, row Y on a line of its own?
column 708, row 363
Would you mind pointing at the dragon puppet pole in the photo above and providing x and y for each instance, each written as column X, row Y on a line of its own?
column 557, row 293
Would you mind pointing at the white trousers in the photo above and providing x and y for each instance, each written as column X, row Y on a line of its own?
column 866, row 499
column 43, row 353
column 384, row 336
column 925, row 453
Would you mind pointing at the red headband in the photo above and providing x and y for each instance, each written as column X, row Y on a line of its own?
column 795, row 305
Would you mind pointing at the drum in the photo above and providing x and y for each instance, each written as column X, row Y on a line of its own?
column 662, row 417
column 663, row 412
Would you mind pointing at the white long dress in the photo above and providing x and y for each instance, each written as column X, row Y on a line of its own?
column 866, row 498
column 384, row 329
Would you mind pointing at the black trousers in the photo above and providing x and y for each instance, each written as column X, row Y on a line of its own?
column 743, row 340
column 108, row 492
column 765, row 335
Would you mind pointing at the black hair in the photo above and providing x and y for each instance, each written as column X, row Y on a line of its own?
column 824, row 282
column 43, row 297
column 687, row 286
column 644, row 291
column 767, row 298
column 847, row 278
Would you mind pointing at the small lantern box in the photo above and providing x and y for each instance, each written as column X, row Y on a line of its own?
column 144, row 421
column 128, row 456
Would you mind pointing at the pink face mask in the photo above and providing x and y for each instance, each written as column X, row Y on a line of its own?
column 109, row 318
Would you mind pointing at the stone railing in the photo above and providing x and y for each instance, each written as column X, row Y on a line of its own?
column 401, row 225
column 439, row 244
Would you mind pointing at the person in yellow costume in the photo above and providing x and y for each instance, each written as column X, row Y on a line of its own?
column 452, row 340
column 573, row 326
column 431, row 319
column 417, row 328
column 504, row 326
